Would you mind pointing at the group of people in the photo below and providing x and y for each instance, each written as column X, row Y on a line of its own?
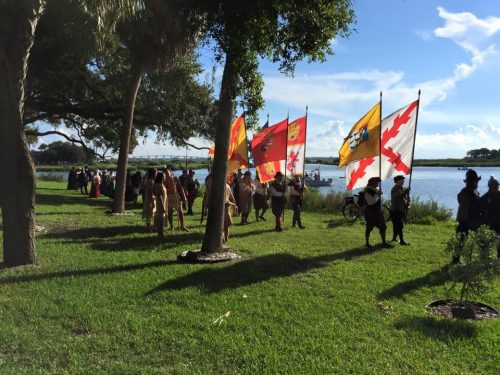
column 164, row 193
column 242, row 193
column 475, row 210
column 101, row 183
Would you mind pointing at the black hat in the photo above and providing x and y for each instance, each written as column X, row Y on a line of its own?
column 278, row 174
column 374, row 180
column 247, row 173
column 398, row 178
column 191, row 172
column 471, row 175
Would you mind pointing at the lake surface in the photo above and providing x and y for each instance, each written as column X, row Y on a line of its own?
column 441, row 184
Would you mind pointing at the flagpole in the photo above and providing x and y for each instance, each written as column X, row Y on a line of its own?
column 246, row 139
column 305, row 149
column 286, row 154
column 414, row 140
column 380, row 143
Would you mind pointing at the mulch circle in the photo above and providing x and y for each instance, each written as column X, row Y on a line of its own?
column 198, row 256
column 462, row 310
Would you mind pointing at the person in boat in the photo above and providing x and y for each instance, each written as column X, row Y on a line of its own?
column 260, row 198
column 175, row 194
column 148, row 200
column 490, row 204
column 245, row 190
column 373, row 210
column 229, row 206
column 297, row 188
column 400, row 202
column 469, row 208
column 161, row 202
column 278, row 191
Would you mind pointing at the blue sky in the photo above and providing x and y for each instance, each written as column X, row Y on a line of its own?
column 446, row 48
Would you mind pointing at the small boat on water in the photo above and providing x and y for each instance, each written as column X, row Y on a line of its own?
column 313, row 178
column 464, row 168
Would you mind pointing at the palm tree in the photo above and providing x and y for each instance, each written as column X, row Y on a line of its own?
column 160, row 34
column 18, row 22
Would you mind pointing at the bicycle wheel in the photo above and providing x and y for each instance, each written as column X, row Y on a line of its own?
column 386, row 213
column 350, row 211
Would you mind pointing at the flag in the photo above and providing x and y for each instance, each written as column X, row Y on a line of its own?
column 296, row 147
column 269, row 150
column 364, row 138
column 238, row 153
column 398, row 138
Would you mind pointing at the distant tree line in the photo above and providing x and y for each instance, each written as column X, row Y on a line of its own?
column 62, row 153
column 484, row 154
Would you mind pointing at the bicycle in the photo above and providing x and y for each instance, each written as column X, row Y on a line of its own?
column 353, row 211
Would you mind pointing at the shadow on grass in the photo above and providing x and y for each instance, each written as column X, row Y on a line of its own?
column 60, row 199
column 86, row 233
column 85, row 272
column 145, row 243
column 255, row 270
column 438, row 328
column 434, row 278
column 340, row 222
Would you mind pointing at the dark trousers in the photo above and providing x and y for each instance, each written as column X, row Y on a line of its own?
column 297, row 209
column 397, row 218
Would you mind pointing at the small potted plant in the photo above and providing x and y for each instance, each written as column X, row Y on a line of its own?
column 474, row 275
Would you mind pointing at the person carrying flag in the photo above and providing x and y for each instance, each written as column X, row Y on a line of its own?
column 278, row 190
column 297, row 196
column 400, row 202
column 373, row 210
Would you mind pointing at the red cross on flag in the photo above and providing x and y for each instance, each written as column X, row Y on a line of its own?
column 398, row 138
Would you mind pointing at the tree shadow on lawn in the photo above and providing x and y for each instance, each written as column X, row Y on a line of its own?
column 59, row 200
column 145, row 243
column 86, row 233
column 86, row 272
column 438, row 328
column 338, row 222
column 255, row 270
column 434, row 278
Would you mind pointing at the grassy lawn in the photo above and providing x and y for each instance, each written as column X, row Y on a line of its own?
column 107, row 297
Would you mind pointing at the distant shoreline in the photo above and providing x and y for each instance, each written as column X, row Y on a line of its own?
column 427, row 162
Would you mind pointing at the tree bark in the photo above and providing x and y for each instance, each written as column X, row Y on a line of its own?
column 128, row 119
column 212, row 242
column 17, row 192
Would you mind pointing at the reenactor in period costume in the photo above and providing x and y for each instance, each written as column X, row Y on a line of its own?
column 373, row 210
column 246, row 190
column 148, row 203
column 297, row 197
column 469, row 207
column 206, row 196
column 161, row 202
column 191, row 186
column 278, row 191
column 229, row 206
column 175, row 194
column 490, row 203
column 260, row 198
column 400, row 202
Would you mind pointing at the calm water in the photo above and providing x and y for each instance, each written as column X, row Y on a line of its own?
column 441, row 184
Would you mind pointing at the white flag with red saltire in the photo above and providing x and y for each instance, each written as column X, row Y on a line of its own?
column 398, row 138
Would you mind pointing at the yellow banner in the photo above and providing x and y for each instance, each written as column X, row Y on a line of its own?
column 238, row 151
column 363, row 140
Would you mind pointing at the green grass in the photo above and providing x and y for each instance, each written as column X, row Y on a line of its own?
column 107, row 297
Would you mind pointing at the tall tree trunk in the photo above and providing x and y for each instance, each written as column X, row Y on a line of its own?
column 128, row 120
column 18, row 189
column 212, row 242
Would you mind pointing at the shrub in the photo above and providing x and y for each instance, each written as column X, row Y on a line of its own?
column 427, row 212
column 51, row 176
column 479, row 267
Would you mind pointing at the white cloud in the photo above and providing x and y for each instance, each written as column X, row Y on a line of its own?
column 329, row 138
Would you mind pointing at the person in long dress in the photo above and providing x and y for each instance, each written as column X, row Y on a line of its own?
column 95, row 189
column 148, row 205
column 174, row 194
column 246, row 190
column 161, row 202
column 72, row 180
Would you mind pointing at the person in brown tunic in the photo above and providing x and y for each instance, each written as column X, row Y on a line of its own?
column 175, row 194
column 229, row 206
column 148, row 205
column 373, row 210
column 245, row 192
column 160, row 194
column 400, row 202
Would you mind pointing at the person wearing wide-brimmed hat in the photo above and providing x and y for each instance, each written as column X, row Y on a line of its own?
column 490, row 204
column 400, row 201
column 373, row 210
column 469, row 207
column 278, row 200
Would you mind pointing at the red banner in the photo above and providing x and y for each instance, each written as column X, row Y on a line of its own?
column 270, row 144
